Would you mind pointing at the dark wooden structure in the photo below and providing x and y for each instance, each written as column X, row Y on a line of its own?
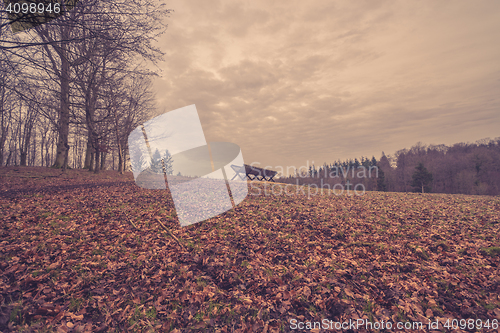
column 253, row 172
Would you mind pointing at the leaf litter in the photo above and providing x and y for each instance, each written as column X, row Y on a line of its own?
column 87, row 253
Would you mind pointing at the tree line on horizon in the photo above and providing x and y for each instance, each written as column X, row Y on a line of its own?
column 463, row 168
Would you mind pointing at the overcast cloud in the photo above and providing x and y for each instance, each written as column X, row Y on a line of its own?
column 291, row 81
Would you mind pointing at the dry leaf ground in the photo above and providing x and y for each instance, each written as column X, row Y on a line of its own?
column 72, row 261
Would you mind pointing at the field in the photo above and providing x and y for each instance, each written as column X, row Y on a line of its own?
column 87, row 253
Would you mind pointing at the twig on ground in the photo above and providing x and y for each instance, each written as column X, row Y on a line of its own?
column 132, row 223
column 170, row 233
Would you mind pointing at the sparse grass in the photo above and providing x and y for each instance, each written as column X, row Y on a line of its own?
column 75, row 304
column 492, row 251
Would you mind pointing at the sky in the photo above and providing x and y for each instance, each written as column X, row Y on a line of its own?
column 301, row 82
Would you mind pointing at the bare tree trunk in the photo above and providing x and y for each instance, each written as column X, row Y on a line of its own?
column 2, row 143
column 22, row 160
column 97, row 157
column 25, row 135
column 94, row 149
column 32, row 161
column 120, row 161
column 118, row 142
column 75, row 152
column 62, row 145
column 3, row 138
column 88, row 153
column 13, row 144
column 103, row 160
column 65, row 163
column 92, row 161
column 4, row 123
column 8, row 158
column 42, row 144
column 78, row 149
column 47, row 152
column 124, row 160
column 15, row 153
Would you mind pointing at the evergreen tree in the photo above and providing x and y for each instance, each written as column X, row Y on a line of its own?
column 356, row 164
column 368, row 163
column 156, row 165
column 162, row 163
column 381, row 185
column 421, row 179
column 167, row 162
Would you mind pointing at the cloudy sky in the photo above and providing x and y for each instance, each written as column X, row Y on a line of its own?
column 297, row 81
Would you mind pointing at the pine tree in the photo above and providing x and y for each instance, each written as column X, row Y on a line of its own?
column 168, row 163
column 356, row 164
column 421, row 179
column 156, row 165
column 159, row 162
column 381, row 185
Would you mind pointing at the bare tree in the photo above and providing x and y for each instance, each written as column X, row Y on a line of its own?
column 9, row 73
column 131, row 103
column 97, row 36
column 27, row 119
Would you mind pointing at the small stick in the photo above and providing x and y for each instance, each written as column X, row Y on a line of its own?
column 133, row 224
column 170, row 233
